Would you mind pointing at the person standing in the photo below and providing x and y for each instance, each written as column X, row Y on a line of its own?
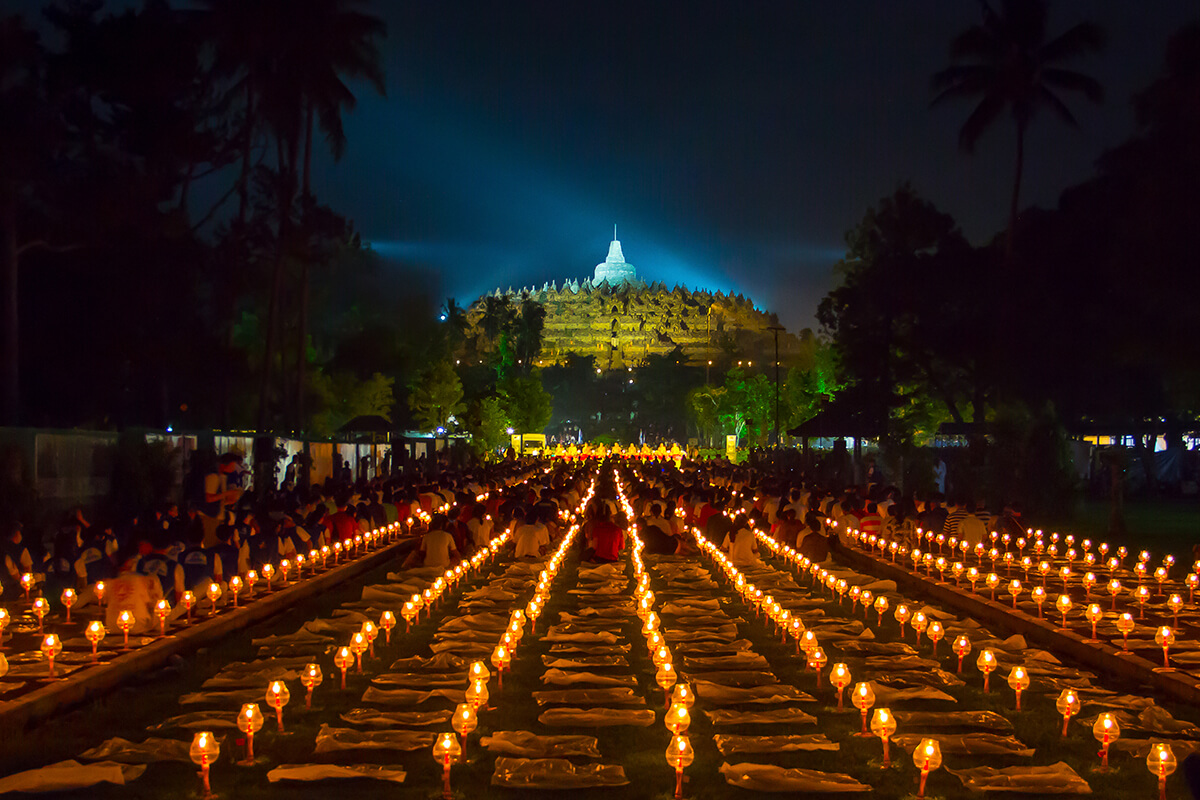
column 939, row 475
column 218, row 497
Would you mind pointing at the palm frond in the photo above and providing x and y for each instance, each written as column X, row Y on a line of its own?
column 984, row 115
column 1055, row 102
column 1073, row 81
column 1083, row 39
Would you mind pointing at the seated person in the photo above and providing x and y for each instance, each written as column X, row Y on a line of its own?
column 656, row 532
column 606, row 539
column 740, row 543
column 531, row 539
column 437, row 547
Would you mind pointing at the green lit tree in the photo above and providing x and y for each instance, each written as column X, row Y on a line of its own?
column 527, row 403
column 436, row 396
column 488, row 423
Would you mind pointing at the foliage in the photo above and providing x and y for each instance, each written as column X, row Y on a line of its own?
column 1010, row 65
column 811, row 383
column 526, row 402
column 905, row 319
column 143, row 474
column 704, row 408
column 662, row 383
column 343, row 396
column 487, row 422
column 436, row 396
column 572, row 386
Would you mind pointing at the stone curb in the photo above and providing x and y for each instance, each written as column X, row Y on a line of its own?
column 1103, row 657
column 73, row 689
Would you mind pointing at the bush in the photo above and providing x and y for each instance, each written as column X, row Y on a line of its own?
column 143, row 474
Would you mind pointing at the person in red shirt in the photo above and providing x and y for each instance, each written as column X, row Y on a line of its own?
column 607, row 538
column 342, row 522
column 706, row 511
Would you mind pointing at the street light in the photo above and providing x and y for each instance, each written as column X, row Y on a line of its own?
column 775, row 329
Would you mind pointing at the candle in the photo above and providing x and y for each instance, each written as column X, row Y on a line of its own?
column 1067, row 704
column 1018, row 680
column 311, row 677
column 1106, row 730
column 464, row 721
column 51, row 646
column 342, row 660
column 1161, row 762
column 986, row 663
column 278, row 697
column 883, row 725
column 204, row 751
column 249, row 721
column 679, row 755
column 863, row 698
column 927, row 757
column 94, row 633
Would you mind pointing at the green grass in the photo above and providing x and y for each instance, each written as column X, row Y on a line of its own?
column 1162, row 526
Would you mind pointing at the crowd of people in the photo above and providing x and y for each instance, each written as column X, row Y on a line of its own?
column 221, row 529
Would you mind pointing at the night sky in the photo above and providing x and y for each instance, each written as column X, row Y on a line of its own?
column 733, row 143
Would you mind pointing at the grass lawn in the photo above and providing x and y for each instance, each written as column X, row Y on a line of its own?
column 1161, row 526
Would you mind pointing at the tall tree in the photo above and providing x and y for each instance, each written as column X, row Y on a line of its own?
column 437, row 395
column 24, row 119
column 1010, row 64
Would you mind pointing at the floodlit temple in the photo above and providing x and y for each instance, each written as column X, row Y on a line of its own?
column 620, row 319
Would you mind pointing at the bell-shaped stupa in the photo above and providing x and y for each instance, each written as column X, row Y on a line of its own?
column 614, row 269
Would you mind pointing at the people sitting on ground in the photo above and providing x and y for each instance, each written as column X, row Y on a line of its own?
column 740, row 542
column 531, row 539
column 605, row 539
column 656, row 532
column 437, row 548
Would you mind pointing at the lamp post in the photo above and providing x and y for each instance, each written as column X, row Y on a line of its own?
column 775, row 329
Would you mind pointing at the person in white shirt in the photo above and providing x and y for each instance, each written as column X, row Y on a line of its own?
column 480, row 526
column 740, row 543
column 531, row 539
column 437, row 545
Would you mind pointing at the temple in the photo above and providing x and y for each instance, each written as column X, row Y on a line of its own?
column 620, row 320
column 614, row 269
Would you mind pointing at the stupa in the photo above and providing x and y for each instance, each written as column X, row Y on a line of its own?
column 614, row 270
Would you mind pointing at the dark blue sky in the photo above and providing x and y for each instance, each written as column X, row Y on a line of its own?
column 733, row 142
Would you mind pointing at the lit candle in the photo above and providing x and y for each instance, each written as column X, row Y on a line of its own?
column 311, row 677
column 204, row 751
column 249, row 722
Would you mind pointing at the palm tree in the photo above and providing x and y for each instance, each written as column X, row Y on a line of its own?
column 287, row 58
column 1009, row 64
column 28, row 124
column 497, row 316
column 333, row 39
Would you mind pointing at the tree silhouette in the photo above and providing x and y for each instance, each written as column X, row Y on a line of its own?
column 22, row 140
column 287, row 58
column 1009, row 64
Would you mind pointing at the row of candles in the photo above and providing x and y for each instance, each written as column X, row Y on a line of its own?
column 1164, row 636
column 205, row 747
column 447, row 750
column 678, row 694
column 1161, row 760
column 1142, row 569
column 50, row 644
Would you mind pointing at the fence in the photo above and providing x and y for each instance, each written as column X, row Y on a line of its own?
column 74, row 467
